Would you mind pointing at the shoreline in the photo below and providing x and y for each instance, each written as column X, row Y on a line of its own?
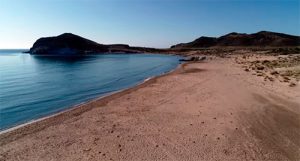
column 79, row 108
column 71, row 107
column 210, row 110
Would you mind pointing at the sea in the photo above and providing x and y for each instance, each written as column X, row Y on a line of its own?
column 33, row 87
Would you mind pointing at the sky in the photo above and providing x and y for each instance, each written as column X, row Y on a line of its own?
column 150, row 23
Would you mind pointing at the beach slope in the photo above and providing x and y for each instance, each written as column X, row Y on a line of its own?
column 212, row 110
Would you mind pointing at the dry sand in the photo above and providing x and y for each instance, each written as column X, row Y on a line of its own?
column 212, row 110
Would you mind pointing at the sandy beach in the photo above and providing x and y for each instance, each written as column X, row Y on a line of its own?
column 210, row 110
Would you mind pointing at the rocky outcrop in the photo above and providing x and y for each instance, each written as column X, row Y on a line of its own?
column 66, row 44
column 194, row 58
column 260, row 39
column 69, row 44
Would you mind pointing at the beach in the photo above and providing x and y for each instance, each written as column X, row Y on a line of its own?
column 209, row 110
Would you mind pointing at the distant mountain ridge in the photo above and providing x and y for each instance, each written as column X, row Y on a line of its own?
column 259, row 39
column 71, row 44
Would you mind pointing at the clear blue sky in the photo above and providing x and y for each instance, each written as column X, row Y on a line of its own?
column 152, row 23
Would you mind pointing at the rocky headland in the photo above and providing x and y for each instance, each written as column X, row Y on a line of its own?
column 68, row 44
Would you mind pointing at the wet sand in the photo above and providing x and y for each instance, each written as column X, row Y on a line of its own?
column 212, row 110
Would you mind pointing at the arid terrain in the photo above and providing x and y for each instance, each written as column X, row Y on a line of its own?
column 239, row 105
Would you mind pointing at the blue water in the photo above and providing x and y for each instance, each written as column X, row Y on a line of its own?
column 32, row 87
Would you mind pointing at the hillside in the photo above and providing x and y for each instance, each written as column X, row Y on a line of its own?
column 66, row 43
column 71, row 44
column 259, row 39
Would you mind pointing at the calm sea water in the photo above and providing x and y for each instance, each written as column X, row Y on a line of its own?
column 32, row 87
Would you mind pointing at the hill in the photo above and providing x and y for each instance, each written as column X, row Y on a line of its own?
column 71, row 44
column 66, row 43
column 259, row 39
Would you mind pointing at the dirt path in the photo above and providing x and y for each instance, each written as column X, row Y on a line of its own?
column 202, row 111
